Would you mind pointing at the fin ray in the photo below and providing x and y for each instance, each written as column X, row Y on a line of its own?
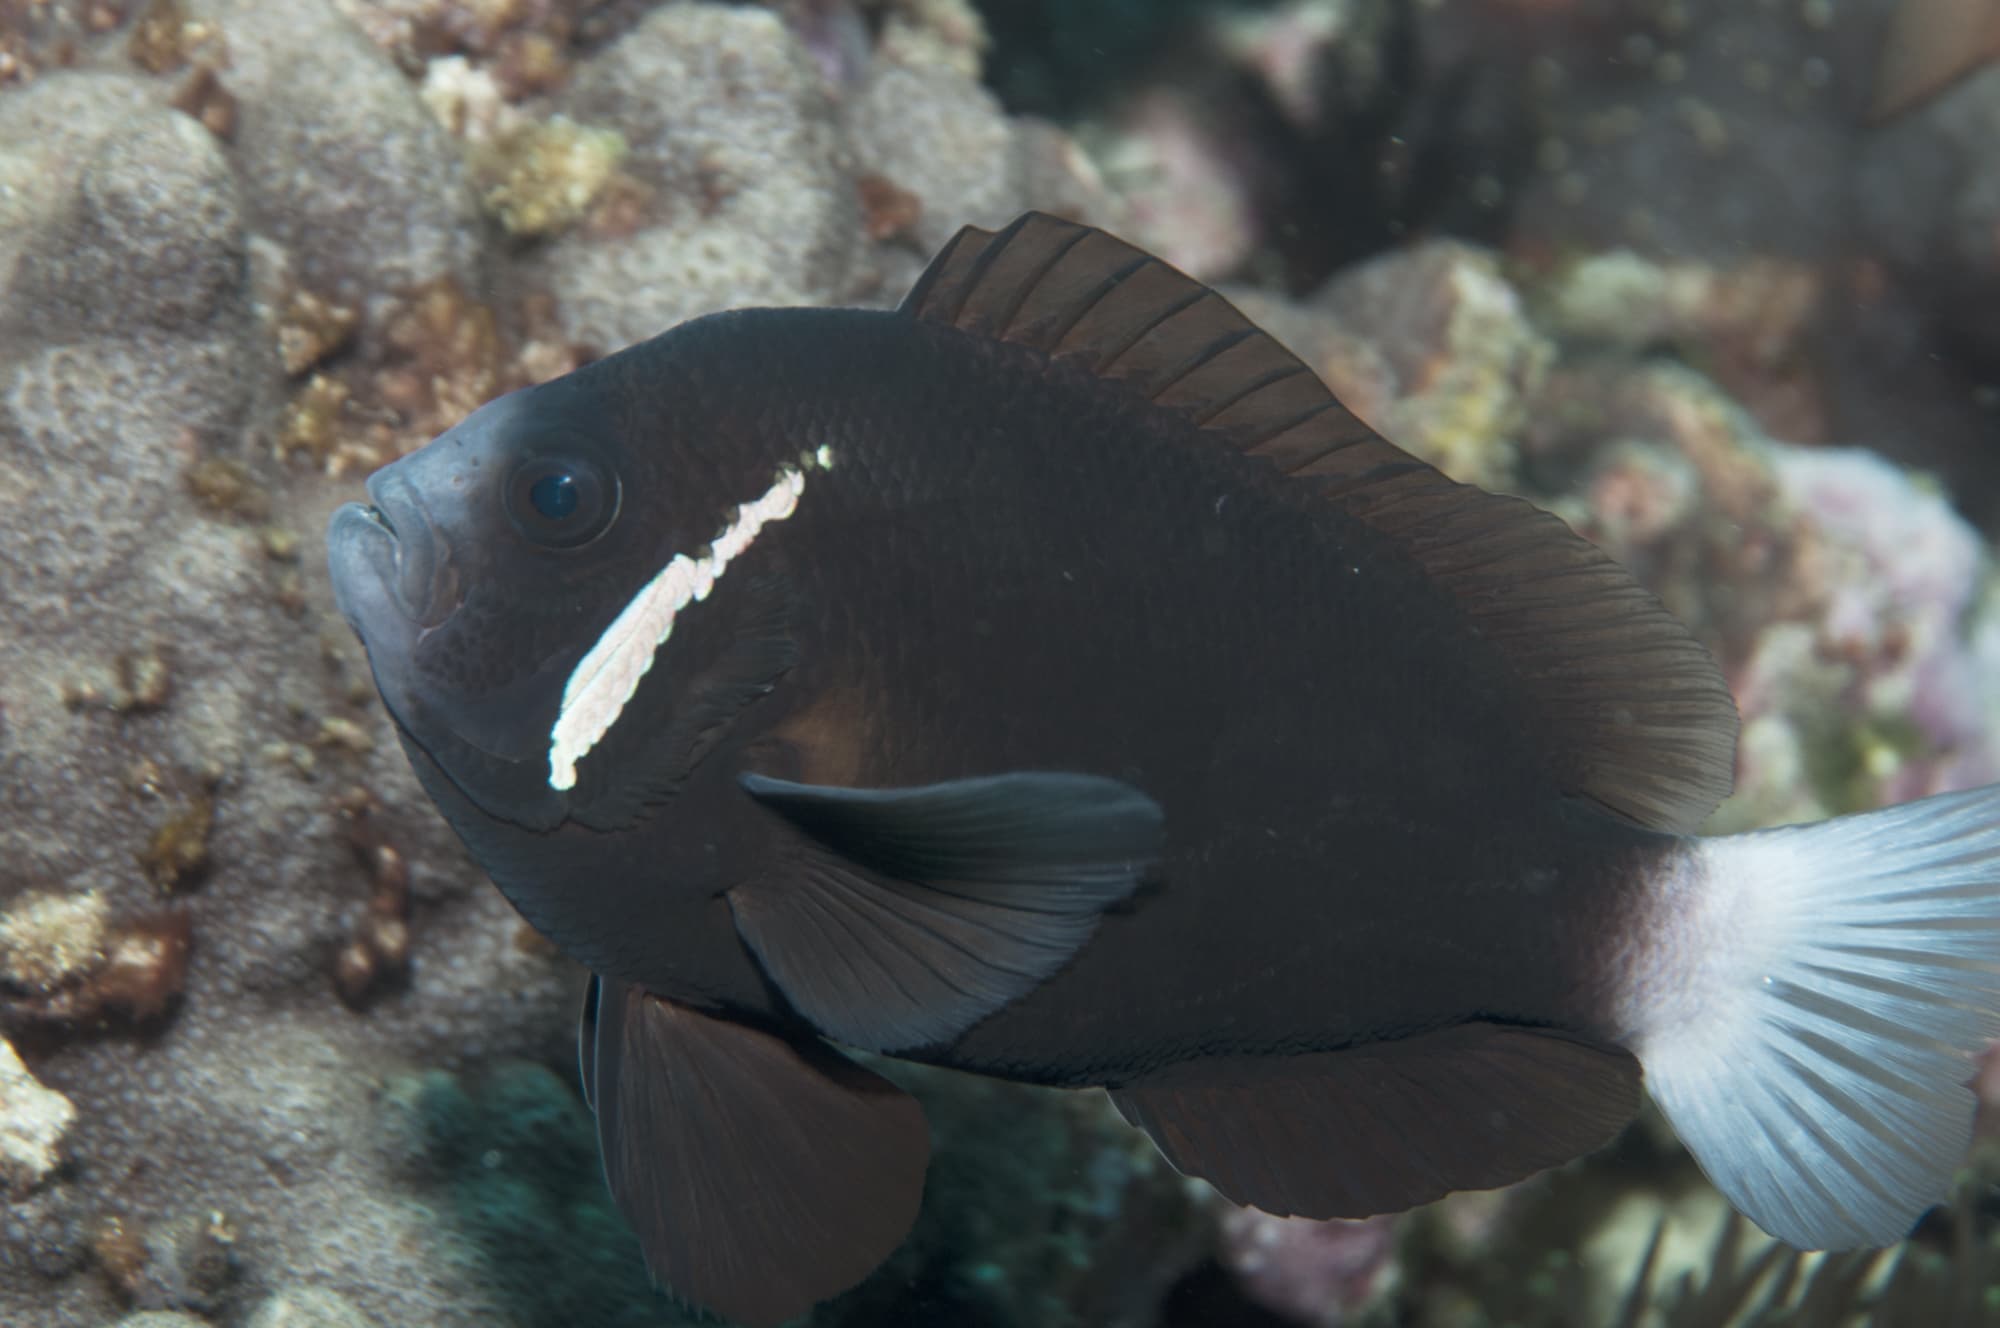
column 761, row 1175
column 1473, row 1106
column 949, row 900
column 1271, row 377
column 1832, row 998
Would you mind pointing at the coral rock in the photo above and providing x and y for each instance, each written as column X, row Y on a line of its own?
column 47, row 939
column 539, row 179
column 351, row 176
column 33, row 1121
column 1464, row 356
column 154, row 234
column 748, row 204
column 1323, row 1273
column 930, row 124
column 307, row 1307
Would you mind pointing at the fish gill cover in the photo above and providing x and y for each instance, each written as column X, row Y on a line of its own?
column 280, row 1054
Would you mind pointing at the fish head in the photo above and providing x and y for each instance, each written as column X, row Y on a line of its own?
column 475, row 575
column 516, row 580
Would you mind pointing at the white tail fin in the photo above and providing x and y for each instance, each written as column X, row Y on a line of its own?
column 1810, row 1013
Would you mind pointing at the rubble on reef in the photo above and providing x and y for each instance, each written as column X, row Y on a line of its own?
column 276, row 1055
column 33, row 1121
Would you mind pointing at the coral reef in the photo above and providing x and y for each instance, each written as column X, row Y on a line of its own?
column 744, row 201
column 33, row 1121
column 1839, row 592
column 1235, row 122
column 1462, row 360
column 306, row 1307
column 1292, row 138
column 386, row 204
column 1041, row 1207
column 1323, row 1273
column 1088, row 1231
column 923, row 123
column 509, row 1164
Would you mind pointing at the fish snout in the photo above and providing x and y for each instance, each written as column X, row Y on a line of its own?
column 390, row 554
column 421, row 574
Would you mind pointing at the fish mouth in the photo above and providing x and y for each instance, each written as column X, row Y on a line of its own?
column 391, row 544
column 378, row 516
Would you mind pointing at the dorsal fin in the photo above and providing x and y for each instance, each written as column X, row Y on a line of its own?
column 1637, row 711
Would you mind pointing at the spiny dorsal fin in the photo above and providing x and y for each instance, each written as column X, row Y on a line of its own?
column 1636, row 709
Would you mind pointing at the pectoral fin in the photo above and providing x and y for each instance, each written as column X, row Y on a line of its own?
column 586, row 1041
column 907, row 915
column 761, row 1175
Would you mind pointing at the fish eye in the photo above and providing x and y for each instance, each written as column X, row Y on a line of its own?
column 561, row 502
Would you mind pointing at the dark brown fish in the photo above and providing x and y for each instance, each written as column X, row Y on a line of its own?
column 1051, row 679
column 1928, row 46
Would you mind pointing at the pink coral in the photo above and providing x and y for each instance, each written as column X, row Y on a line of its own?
column 1321, row 1273
column 1902, row 571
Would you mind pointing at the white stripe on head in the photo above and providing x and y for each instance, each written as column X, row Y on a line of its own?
column 605, row 678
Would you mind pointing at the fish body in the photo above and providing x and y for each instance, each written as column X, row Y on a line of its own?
column 1051, row 679
column 1334, row 785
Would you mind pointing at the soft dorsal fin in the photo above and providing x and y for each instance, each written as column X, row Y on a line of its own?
column 1636, row 709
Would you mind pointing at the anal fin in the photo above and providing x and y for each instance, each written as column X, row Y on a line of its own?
column 762, row 1175
column 1389, row 1125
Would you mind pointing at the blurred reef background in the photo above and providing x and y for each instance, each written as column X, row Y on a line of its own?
column 276, row 1056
